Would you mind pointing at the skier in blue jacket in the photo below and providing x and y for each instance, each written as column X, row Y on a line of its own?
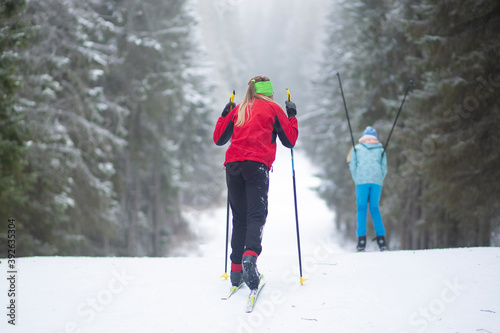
column 368, row 167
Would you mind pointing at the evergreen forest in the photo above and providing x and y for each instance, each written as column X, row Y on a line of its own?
column 105, row 127
column 107, row 111
column 443, row 157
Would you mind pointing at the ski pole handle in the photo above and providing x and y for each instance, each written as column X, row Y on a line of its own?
column 231, row 100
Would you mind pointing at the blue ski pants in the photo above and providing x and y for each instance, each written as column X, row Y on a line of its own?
column 368, row 195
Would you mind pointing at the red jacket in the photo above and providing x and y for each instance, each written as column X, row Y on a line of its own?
column 256, row 139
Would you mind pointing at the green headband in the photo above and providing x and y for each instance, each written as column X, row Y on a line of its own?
column 264, row 88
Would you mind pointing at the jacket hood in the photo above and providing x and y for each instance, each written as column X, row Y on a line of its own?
column 372, row 145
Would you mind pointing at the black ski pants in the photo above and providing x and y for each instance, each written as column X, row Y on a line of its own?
column 248, row 186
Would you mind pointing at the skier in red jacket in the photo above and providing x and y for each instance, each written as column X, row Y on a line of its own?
column 252, row 126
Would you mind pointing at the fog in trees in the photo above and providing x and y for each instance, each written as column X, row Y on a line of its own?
column 107, row 109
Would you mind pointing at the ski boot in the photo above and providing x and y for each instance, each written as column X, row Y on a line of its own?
column 361, row 244
column 251, row 275
column 382, row 245
column 236, row 278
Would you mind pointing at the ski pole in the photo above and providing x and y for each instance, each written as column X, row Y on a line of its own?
column 347, row 114
column 225, row 275
column 410, row 84
column 296, row 211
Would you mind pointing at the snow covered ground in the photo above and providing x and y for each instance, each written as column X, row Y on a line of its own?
column 449, row 290
column 456, row 290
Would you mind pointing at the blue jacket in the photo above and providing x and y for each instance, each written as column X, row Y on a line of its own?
column 367, row 165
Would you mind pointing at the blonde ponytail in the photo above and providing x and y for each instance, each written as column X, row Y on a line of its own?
column 245, row 110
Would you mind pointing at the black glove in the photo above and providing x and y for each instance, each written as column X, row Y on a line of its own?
column 229, row 106
column 291, row 109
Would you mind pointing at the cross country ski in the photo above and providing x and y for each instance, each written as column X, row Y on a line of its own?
column 252, row 298
column 233, row 291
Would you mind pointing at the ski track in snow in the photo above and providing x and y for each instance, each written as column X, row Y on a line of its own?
column 446, row 290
